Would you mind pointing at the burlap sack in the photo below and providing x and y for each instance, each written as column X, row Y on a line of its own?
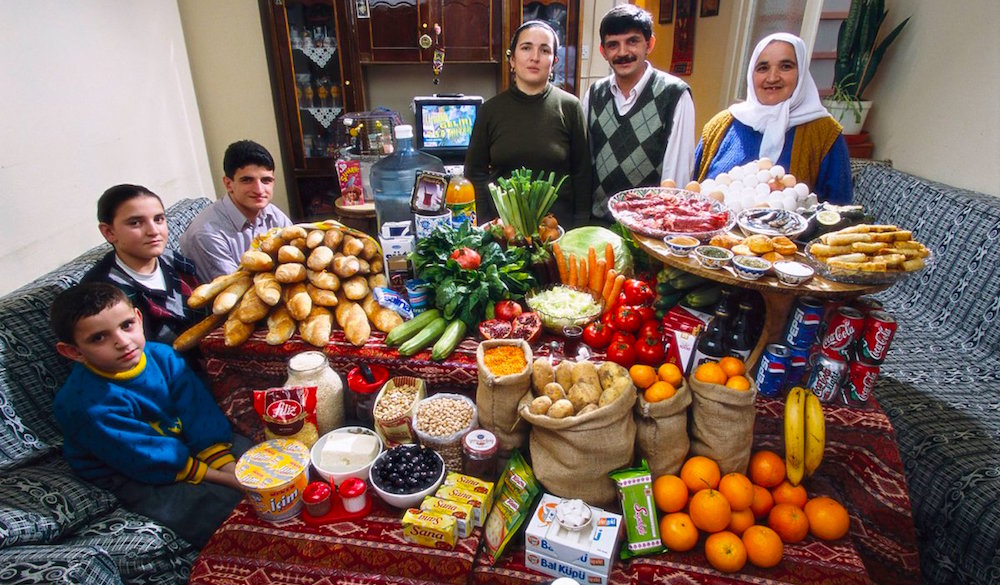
column 722, row 424
column 572, row 456
column 497, row 398
column 661, row 436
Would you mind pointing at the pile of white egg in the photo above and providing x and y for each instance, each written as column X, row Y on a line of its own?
column 757, row 183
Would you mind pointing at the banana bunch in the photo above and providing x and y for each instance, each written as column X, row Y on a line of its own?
column 805, row 434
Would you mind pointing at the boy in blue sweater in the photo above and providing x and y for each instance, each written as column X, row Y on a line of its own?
column 137, row 421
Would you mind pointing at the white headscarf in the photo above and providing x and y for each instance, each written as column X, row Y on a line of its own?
column 774, row 121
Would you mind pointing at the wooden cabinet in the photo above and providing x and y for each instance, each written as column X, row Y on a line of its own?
column 315, row 79
column 403, row 31
column 564, row 16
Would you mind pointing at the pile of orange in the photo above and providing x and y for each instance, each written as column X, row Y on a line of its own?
column 729, row 372
column 657, row 383
column 700, row 499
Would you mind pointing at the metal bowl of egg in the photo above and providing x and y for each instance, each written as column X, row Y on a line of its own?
column 346, row 452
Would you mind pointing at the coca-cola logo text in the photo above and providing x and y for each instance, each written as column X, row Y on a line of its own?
column 840, row 336
column 882, row 337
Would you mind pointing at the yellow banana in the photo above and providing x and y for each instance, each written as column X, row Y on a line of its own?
column 795, row 405
column 815, row 430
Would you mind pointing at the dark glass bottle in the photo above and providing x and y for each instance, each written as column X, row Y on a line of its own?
column 740, row 339
column 713, row 345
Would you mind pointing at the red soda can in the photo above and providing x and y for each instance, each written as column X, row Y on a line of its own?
column 842, row 332
column 826, row 377
column 860, row 381
column 876, row 336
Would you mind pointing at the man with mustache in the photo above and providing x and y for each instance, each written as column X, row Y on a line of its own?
column 640, row 120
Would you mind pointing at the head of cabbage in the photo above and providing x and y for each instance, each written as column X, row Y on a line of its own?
column 578, row 241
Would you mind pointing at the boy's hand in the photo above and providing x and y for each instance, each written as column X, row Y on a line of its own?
column 224, row 477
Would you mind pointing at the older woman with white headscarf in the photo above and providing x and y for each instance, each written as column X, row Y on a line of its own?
column 783, row 120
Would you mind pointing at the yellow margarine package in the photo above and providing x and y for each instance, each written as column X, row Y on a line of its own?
column 429, row 528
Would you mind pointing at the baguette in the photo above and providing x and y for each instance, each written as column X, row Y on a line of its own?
column 289, row 273
column 193, row 334
column 352, row 246
column 346, row 266
column 355, row 288
column 369, row 249
column 325, row 280
column 271, row 244
column 385, row 320
column 228, row 298
column 236, row 331
column 280, row 326
column 320, row 258
column 267, row 287
column 288, row 254
column 321, row 296
column 298, row 301
column 251, row 308
column 377, row 280
column 314, row 238
column 256, row 261
column 206, row 292
column 332, row 238
column 352, row 319
column 315, row 328
column 293, row 232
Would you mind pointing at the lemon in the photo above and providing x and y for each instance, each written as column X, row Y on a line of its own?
column 828, row 217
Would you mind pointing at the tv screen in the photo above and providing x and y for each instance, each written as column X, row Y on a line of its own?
column 444, row 124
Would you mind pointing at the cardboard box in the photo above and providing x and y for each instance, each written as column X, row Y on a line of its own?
column 556, row 568
column 681, row 328
column 592, row 549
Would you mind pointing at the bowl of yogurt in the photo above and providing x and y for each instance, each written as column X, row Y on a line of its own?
column 793, row 273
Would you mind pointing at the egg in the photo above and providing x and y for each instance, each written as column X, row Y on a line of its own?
column 774, row 185
column 777, row 171
column 788, row 202
column 802, row 190
column 762, row 189
column 708, row 185
column 735, row 205
column 765, row 163
column 670, row 183
column 788, row 180
column 718, row 196
column 737, row 173
column 763, row 176
column 693, row 186
column 736, row 186
column 723, row 179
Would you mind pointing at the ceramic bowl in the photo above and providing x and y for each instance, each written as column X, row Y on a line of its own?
column 407, row 499
column 793, row 273
column 750, row 267
column 338, row 476
column 713, row 257
column 681, row 245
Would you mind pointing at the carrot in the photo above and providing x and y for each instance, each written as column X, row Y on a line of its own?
column 571, row 273
column 609, row 283
column 619, row 282
column 581, row 274
column 560, row 262
column 591, row 264
column 597, row 276
column 609, row 255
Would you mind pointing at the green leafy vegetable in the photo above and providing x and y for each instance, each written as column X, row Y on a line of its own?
column 522, row 201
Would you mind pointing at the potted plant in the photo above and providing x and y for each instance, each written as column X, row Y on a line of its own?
column 858, row 57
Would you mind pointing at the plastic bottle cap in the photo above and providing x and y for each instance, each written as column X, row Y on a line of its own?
column 404, row 131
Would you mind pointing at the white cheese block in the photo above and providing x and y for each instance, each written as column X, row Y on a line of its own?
column 347, row 451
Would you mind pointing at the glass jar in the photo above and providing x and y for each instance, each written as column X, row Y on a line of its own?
column 311, row 368
column 479, row 454
column 362, row 389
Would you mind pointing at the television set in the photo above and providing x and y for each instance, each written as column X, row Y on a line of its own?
column 443, row 125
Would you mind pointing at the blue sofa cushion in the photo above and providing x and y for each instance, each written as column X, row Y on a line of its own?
column 41, row 503
column 58, row 565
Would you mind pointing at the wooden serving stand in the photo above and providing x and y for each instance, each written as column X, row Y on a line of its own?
column 778, row 297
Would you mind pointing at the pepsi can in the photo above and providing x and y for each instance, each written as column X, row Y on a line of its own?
column 771, row 370
column 804, row 322
column 798, row 358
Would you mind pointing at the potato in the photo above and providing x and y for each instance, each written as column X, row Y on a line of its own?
column 584, row 393
column 564, row 373
column 609, row 372
column 553, row 390
column 560, row 409
column 611, row 394
column 586, row 372
column 587, row 409
column 540, row 405
column 542, row 373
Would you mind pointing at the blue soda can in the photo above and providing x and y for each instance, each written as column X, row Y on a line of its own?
column 798, row 358
column 804, row 322
column 771, row 370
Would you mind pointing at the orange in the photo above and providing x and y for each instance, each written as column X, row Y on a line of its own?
column 700, row 472
column 711, row 373
column 740, row 521
column 642, row 376
column 726, row 552
column 672, row 374
column 767, row 469
column 763, row 501
column 786, row 493
column 732, row 366
column 678, row 532
column 828, row 519
column 710, row 511
column 738, row 383
column 789, row 521
column 670, row 493
column 737, row 489
column 659, row 391
column 764, row 546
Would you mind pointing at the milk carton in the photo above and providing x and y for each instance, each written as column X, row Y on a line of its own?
column 568, row 538
column 556, row 568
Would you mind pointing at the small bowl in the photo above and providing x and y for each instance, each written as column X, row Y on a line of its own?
column 793, row 273
column 556, row 323
column 719, row 256
column 750, row 267
column 681, row 245
column 409, row 499
column 337, row 477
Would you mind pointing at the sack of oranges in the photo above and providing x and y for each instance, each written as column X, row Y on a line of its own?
column 722, row 413
column 661, row 418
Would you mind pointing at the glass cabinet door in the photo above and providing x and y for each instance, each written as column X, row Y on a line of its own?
column 564, row 16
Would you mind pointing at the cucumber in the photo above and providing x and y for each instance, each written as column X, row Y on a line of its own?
column 704, row 296
column 401, row 333
column 668, row 273
column 686, row 280
column 667, row 301
column 450, row 339
column 427, row 336
column 663, row 289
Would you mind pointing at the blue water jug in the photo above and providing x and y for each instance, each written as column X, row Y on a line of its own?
column 392, row 178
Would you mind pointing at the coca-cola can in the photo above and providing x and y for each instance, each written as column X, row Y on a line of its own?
column 804, row 322
column 826, row 377
column 798, row 358
column 866, row 305
column 873, row 345
column 842, row 331
column 860, row 381
column 771, row 370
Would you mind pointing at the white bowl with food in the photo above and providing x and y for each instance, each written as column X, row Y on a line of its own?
column 681, row 245
column 562, row 306
column 405, row 474
column 345, row 452
column 750, row 267
column 793, row 273
column 771, row 222
column 713, row 257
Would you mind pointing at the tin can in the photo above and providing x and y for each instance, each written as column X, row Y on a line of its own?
column 842, row 332
column 866, row 305
column 861, row 377
column 826, row 377
column 804, row 322
column 771, row 370
column 798, row 358
column 873, row 345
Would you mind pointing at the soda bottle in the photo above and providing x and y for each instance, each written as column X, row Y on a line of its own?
column 392, row 177
column 461, row 199
column 740, row 340
column 714, row 343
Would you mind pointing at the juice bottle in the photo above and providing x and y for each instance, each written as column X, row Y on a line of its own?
column 461, row 200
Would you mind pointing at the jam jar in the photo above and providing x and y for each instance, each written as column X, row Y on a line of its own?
column 479, row 454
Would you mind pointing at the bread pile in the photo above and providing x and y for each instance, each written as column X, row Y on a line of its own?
column 772, row 248
column 870, row 248
column 298, row 277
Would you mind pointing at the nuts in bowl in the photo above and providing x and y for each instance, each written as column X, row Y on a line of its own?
column 405, row 474
column 713, row 257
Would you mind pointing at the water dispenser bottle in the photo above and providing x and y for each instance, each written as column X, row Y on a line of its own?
column 392, row 177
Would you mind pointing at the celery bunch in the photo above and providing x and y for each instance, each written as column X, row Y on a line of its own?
column 522, row 202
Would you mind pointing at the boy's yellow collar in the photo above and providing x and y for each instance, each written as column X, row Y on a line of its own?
column 128, row 374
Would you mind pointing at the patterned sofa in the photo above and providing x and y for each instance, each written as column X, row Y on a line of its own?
column 940, row 385
column 55, row 528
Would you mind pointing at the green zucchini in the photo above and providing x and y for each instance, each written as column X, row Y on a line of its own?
column 704, row 296
column 663, row 289
column 450, row 339
column 667, row 301
column 668, row 273
column 427, row 336
column 686, row 280
column 401, row 333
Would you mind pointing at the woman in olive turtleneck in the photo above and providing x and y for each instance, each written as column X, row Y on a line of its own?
column 533, row 125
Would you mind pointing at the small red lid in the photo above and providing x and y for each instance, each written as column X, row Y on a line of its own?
column 352, row 487
column 316, row 492
column 356, row 381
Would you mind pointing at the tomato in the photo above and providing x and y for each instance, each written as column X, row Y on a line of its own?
column 608, row 318
column 495, row 329
column 646, row 313
column 508, row 310
column 597, row 335
column 467, row 258
column 649, row 351
column 627, row 319
column 527, row 326
column 651, row 328
column 622, row 354
column 622, row 336
column 637, row 292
